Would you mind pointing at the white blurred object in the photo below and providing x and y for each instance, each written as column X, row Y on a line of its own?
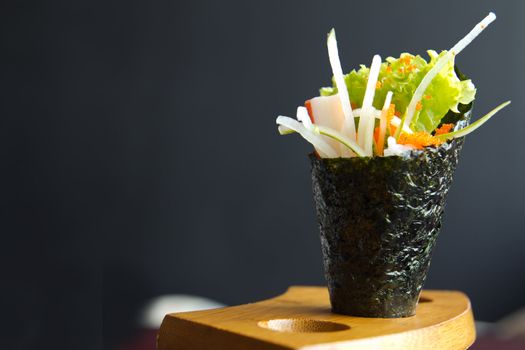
column 483, row 328
column 512, row 326
column 155, row 310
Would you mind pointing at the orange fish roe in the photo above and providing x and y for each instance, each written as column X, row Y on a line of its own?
column 419, row 106
column 406, row 59
column 411, row 68
column 444, row 129
column 378, row 85
column 419, row 139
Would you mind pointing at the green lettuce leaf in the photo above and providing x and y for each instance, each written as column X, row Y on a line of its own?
column 402, row 76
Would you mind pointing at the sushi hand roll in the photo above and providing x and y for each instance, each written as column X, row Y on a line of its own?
column 387, row 140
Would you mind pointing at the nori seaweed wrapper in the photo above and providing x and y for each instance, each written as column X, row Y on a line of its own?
column 379, row 218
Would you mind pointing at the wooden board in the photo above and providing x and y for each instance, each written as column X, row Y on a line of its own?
column 301, row 319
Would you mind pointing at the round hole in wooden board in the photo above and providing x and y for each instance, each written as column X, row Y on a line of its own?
column 299, row 325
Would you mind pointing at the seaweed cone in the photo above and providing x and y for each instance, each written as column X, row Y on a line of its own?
column 379, row 218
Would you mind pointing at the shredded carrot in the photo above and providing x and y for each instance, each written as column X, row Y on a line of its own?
column 389, row 69
column 378, row 85
column 389, row 115
column 444, row 129
column 401, row 70
column 419, row 106
column 427, row 97
column 419, row 139
column 308, row 105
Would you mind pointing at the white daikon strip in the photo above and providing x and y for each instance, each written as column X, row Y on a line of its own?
column 382, row 123
column 440, row 64
column 418, row 94
column 372, row 82
column 491, row 17
column 376, row 113
column 367, row 120
column 335, row 63
column 323, row 148
column 283, row 130
column 303, row 117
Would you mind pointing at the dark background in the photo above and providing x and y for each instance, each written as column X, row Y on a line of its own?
column 140, row 154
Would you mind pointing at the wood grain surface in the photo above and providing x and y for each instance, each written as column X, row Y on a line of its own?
column 301, row 319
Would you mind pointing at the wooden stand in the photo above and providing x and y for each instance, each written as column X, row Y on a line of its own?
column 301, row 319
